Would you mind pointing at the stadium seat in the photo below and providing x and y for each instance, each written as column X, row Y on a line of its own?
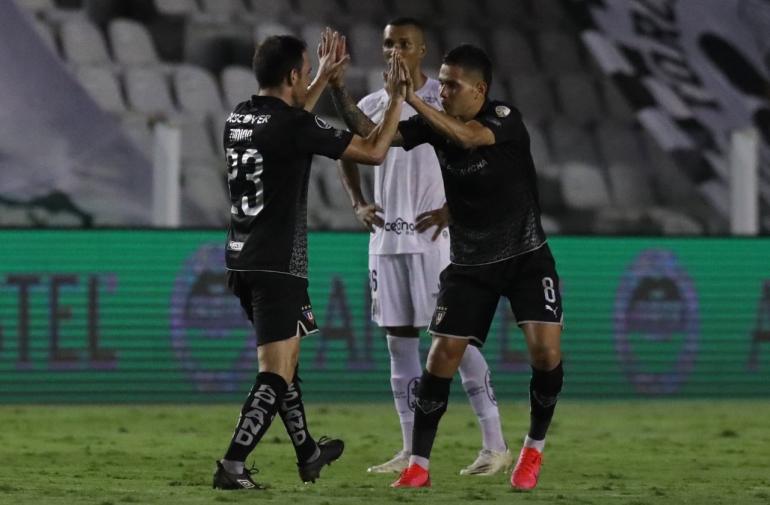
column 619, row 143
column 268, row 10
column 454, row 36
column 570, row 142
column 579, row 98
column 196, row 91
column 148, row 92
column 319, row 11
column 421, row 9
column 538, row 147
column 37, row 5
column 366, row 45
column 204, row 195
column 507, row 12
column 265, row 30
column 46, row 33
column 616, row 104
column 335, row 209
column 630, row 185
column 370, row 11
column 559, row 52
column 83, row 44
column 104, row 87
column 311, row 34
column 238, row 84
column 533, row 96
column 197, row 142
column 583, row 187
column 137, row 127
column 434, row 51
column 512, row 53
column 223, row 11
column 131, row 43
column 188, row 8
column 550, row 13
column 461, row 12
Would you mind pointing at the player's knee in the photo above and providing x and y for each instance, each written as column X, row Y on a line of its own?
column 448, row 354
column 545, row 358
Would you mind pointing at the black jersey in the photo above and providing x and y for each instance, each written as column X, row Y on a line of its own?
column 269, row 146
column 491, row 190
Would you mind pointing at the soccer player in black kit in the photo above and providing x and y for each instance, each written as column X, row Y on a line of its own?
column 498, row 248
column 269, row 142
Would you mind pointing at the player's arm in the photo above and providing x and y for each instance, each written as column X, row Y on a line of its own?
column 465, row 134
column 372, row 148
column 348, row 110
column 332, row 55
column 365, row 212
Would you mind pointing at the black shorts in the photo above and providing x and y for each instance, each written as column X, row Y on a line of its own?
column 277, row 304
column 469, row 295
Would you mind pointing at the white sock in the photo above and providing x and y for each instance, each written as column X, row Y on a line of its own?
column 423, row 462
column 535, row 444
column 474, row 373
column 232, row 466
column 405, row 369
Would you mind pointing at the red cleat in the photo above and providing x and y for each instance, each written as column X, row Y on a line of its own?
column 524, row 476
column 413, row 476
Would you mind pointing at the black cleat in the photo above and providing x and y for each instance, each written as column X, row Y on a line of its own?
column 234, row 481
column 330, row 450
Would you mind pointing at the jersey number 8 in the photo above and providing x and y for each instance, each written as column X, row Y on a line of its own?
column 248, row 186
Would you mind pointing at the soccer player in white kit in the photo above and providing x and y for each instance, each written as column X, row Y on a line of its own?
column 405, row 262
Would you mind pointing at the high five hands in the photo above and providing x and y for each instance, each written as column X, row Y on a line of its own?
column 333, row 57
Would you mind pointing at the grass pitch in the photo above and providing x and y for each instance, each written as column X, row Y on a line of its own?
column 704, row 452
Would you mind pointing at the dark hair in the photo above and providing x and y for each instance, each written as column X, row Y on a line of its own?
column 471, row 58
column 407, row 21
column 276, row 57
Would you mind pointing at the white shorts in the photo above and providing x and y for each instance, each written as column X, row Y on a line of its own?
column 405, row 286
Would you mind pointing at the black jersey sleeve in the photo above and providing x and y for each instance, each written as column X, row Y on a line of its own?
column 416, row 131
column 316, row 136
column 504, row 121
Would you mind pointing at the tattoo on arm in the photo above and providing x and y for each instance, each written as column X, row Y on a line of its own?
column 350, row 113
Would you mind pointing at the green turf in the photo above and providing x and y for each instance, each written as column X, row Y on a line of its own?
column 602, row 453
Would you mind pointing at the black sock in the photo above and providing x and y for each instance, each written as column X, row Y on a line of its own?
column 432, row 398
column 292, row 412
column 544, row 390
column 256, row 415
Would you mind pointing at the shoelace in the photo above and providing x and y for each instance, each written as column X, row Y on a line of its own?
column 529, row 462
column 252, row 470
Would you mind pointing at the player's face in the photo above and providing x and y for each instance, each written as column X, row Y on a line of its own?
column 409, row 43
column 299, row 90
column 461, row 91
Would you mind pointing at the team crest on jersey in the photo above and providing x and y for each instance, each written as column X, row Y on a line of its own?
column 502, row 111
column 307, row 311
column 440, row 313
column 322, row 123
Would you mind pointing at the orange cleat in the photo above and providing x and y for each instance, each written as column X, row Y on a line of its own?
column 524, row 476
column 413, row 476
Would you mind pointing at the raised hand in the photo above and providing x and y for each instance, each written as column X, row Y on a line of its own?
column 407, row 80
column 332, row 55
column 437, row 217
column 395, row 80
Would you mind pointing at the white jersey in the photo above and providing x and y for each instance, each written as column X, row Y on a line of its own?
column 406, row 184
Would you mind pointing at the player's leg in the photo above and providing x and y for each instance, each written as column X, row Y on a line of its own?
column 312, row 455
column 392, row 309
column 536, row 301
column 276, row 364
column 463, row 314
column 494, row 457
